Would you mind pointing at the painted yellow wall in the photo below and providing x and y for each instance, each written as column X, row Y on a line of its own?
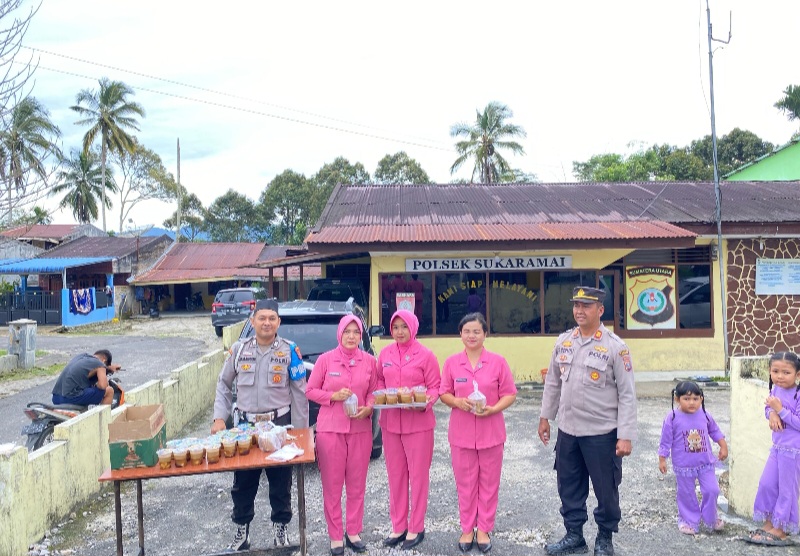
column 751, row 438
column 34, row 492
column 528, row 355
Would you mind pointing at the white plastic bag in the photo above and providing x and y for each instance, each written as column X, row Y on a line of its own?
column 288, row 452
column 351, row 406
column 478, row 398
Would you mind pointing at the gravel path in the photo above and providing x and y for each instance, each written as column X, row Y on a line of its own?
column 191, row 515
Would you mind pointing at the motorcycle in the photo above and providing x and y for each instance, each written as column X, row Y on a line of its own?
column 44, row 417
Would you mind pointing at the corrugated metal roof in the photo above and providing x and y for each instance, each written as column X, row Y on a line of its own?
column 498, row 232
column 48, row 266
column 41, row 231
column 105, row 246
column 203, row 262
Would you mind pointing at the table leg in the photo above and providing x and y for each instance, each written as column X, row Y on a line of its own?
column 140, row 514
column 118, row 512
column 301, row 507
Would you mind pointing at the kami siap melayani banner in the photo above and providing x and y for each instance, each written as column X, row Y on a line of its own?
column 651, row 297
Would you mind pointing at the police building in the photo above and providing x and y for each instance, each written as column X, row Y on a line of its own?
column 515, row 251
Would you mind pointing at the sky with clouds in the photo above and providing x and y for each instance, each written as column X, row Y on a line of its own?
column 253, row 88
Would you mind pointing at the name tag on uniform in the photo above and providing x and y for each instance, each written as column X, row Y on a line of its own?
column 387, row 364
column 461, row 380
column 336, row 374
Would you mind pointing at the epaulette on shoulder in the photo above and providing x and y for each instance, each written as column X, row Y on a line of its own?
column 615, row 337
column 566, row 334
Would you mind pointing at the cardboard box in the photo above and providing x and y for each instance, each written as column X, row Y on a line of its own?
column 135, row 436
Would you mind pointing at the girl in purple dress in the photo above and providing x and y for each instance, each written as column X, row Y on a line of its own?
column 687, row 435
column 776, row 498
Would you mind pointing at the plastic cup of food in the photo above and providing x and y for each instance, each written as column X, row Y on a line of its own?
column 391, row 396
column 196, row 453
column 404, row 395
column 380, row 397
column 164, row 458
column 181, row 456
column 420, row 394
column 243, row 443
column 212, row 453
column 229, row 447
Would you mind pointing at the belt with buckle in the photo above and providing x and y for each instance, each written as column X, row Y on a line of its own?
column 267, row 416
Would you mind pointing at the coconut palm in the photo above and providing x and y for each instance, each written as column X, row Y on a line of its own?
column 110, row 115
column 483, row 141
column 81, row 179
column 790, row 103
column 24, row 147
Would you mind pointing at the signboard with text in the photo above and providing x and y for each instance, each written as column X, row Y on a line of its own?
column 527, row 262
column 651, row 297
column 777, row 276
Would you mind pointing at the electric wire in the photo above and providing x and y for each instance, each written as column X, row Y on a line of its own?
column 222, row 93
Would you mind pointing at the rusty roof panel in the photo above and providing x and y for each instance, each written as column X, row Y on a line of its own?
column 103, row 246
column 498, row 232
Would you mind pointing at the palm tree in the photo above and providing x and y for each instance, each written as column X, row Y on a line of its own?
column 110, row 114
column 82, row 181
column 790, row 103
column 25, row 146
column 484, row 139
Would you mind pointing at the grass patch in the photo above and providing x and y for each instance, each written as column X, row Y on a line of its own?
column 21, row 374
column 721, row 379
column 39, row 352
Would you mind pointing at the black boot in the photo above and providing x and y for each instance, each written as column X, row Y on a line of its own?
column 572, row 543
column 603, row 545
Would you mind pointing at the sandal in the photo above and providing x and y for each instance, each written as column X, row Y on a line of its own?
column 686, row 529
column 762, row 537
column 719, row 525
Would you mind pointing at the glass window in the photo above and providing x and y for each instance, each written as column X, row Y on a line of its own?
column 413, row 292
column 558, row 288
column 514, row 303
column 458, row 293
column 694, row 296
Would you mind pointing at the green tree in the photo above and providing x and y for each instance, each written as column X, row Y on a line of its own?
column 81, row 180
column 519, row 176
column 193, row 217
column 340, row 171
column 231, row 217
column 110, row 115
column 789, row 105
column 287, row 204
column 400, row 168
column 142, row 171
column 483, row 141
column 735, row 149
column 25, row 146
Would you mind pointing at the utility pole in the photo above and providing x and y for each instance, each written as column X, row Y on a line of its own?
column 721, row 258
column 179, row 194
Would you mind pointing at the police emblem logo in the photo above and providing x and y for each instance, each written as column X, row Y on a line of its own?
column 562, row 357
column 598, row 335
column 277, row 368
column 280, row 354
column 246, row 367
column 567, row 344
column 601, row 349
column 595, row 376
column 626, row 361
column 624, row 352
column 276, row 378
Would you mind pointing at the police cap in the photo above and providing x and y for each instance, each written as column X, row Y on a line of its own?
column 262, row 304
column 585, row 294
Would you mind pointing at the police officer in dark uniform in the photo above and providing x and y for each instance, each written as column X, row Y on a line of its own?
column 270, row 385
column 589, row 385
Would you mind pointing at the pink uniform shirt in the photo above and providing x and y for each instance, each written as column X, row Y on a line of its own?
column 495, row 380
column 331, row 373
column 413, row 365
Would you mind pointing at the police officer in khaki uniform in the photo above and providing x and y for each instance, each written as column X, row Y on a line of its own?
column 270, row 384
column 589, row 385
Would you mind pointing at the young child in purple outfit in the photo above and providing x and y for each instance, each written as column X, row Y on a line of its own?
column 777, row 495
column 687, row 435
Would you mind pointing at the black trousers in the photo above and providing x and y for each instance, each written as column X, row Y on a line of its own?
column 245, row 488
column 579, row 458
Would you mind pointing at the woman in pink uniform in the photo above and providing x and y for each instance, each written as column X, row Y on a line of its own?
column 476, row 437
column 344, row 442
column 408, row 433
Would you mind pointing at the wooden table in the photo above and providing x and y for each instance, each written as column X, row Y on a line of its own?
column 304, row 439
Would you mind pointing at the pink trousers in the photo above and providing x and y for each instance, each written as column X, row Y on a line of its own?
column 343, row 461
column 477, row 474
column 408, row 460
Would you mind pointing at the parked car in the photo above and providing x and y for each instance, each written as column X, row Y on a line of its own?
column 234, row 305
column 335, row 289
column 312, row 325
column 694, row 305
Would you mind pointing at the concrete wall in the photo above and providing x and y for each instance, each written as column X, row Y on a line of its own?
column 39, row 489
column 751, row 438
